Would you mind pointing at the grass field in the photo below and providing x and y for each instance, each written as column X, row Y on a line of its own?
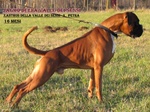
column 126, row 79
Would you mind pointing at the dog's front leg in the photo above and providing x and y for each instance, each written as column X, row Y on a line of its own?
column 98, row 81
column 91, row 84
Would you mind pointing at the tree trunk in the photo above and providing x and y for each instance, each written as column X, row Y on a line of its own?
column 107, row 4
column 116, row 4
column 75, row 4
column 87, row 7
column 134, row 4
column 101, row 4
column 84, row 2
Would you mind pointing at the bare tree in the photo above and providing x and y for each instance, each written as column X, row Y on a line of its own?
column 84, row 2
column 134, row 4
column 101, row 2
column 116, row 4
column 87, row 7
column 107, row 4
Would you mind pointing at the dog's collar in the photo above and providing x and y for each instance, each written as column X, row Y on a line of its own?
column 105, row 28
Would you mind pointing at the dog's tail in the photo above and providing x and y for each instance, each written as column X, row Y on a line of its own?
column 29, row 48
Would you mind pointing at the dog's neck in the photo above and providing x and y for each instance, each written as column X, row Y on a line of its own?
column 108, row 30
column 113, row 24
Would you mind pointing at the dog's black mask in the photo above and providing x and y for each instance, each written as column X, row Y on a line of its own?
column 137, row 31
column 137, row 28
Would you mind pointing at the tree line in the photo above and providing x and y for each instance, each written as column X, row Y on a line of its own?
column 84, row 5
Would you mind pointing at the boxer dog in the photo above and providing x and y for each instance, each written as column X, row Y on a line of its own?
column 91, row 51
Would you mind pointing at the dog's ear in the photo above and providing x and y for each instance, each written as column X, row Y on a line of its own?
column 129, row 17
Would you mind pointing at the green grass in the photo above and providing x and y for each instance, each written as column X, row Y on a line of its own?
column 126, row 79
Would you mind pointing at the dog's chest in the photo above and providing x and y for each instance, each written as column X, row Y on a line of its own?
column 114, row 45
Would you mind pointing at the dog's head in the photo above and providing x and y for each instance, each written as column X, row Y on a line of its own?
column 131, row 25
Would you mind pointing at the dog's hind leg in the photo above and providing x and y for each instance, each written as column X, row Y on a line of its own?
column 42, row 72
column 17, row 88
column 21, row 85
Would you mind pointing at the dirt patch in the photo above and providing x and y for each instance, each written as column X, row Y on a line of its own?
column 55, row 29
column 83, row 28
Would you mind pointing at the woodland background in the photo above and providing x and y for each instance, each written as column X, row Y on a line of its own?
column 84, row 5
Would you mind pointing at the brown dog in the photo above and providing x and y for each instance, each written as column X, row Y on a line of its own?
column 91, row 51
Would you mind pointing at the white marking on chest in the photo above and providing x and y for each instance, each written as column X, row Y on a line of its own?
column 114, row 45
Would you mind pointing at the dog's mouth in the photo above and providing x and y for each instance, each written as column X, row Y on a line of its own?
column 134, row 36
column 137, row 31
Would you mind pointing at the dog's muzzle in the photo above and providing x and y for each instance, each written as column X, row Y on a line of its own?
column 137, row 31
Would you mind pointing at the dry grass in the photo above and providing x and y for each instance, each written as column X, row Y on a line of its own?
column 125, row 78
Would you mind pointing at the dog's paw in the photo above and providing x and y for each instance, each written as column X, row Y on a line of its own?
column 90, row 94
